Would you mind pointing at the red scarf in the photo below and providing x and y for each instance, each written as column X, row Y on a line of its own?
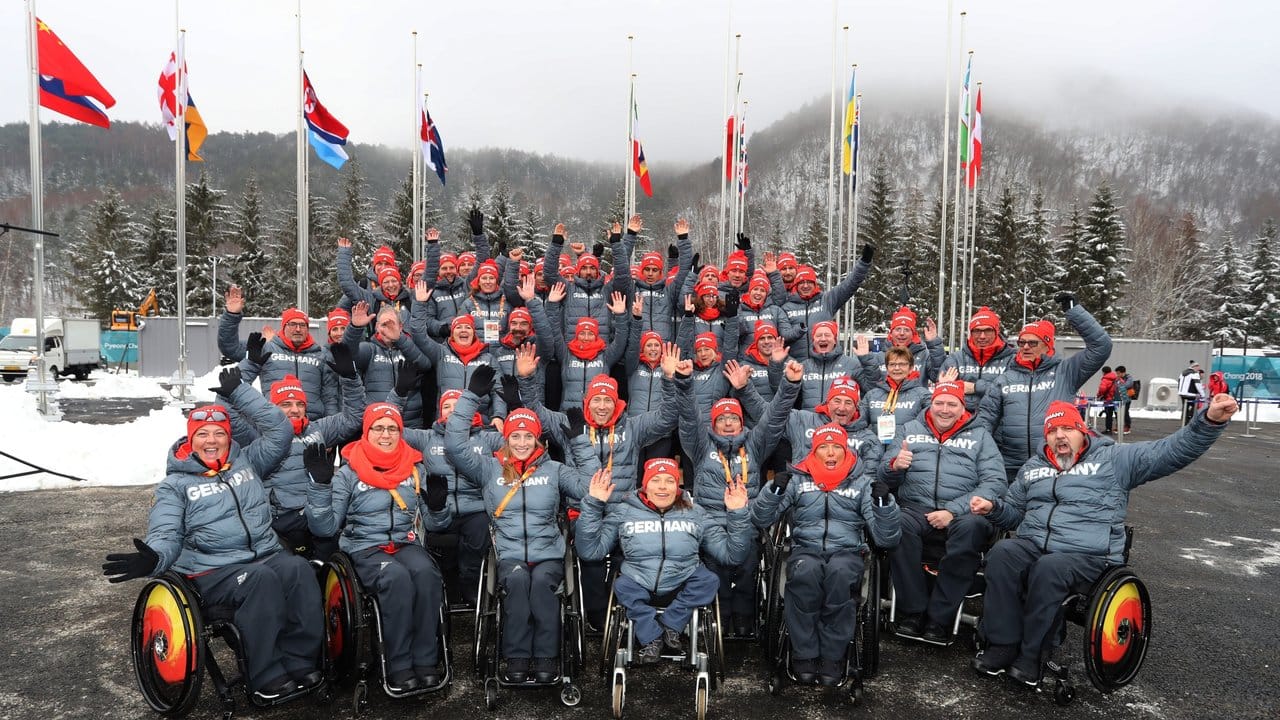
column 1032, row 365
column 298, row 348
column 511, row 342
column 753, row 352
column 817, row 290
column 299, row 424
column 520, row 466
column 468, row 353
column 984, row 355
column 586, row 351
column 709, row 313
column 379, row 468
column 746, row 300
column 897, row 384
column 944, row 436
column 825, row 479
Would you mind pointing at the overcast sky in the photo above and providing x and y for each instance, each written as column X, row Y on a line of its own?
column 551, row 76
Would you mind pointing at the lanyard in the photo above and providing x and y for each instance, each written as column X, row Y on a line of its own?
column 891, row 402
column 511, row 492
column 728, row 474
column 612, row 436
column 399, row 502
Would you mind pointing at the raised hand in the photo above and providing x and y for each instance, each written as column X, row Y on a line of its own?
column 476, row 220
column 673, row 252
column 318, row 462
column 344, row 242
column 735, row 495
column 617, row 303
column 903, row 459
column 635, row 224
column 1222, row 407
column 128, row 566
column 743, row 243
column 433, row 235
column 527, row 288
column 868, row 252
column 770, row 262
column 682, row 228
column 255, row 351
column 578, row 248
column 481, row 382
column 344, row 364
column 268, row 333
column 598, row 250
column 949, row 375
column 684, row 368
column 421, row 293
column 526, row 360
column 737, row 374
column 794, row 371
column 407, row 379
column 688, row 304
column 602, row 485
column 516, row 253
column 930, row 329
column 615, row 231
column 637, row 306
column 670, row 359
column 557, row 293
column 360, row 316
column 228, row 380
column 234, row 300
column 1066, row 300
column 510, row 393
column 780, row 353
column 861, row 345
column 731, row 301
column 559, row 232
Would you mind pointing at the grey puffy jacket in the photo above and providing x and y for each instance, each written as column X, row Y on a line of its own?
column 974, row 372
column 804, row 314
column 913, row 399
column 451, row 372
column 820, row 370
column 375, row 299
column 945, row 476
column 364, row 516
column 1083, row 509
column 660, row 549
column 825, row 521
column 585, row 298
column 448, row 299
column 201, row 522
column 862, row 440
column 378, row 366
column 1014, row 407
column 662, row 299
column 318, row 381
column 528, row 529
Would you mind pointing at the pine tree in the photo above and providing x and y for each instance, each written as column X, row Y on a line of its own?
column 155, row 246
column 502, row 223
column 1188, row 312
column 353, row 219
column 249, row 265
column 1042, row 263
column 531, row 235
column 1228, row 321
column 879, row 296
column 1073, row 257
column 103, row 257
column 1107, row 257
column 1261, row 291
column 475, row 200
column 920, row 235
column 1001, row 257
column 812, row 248
column 398, row 222
column 206, row 224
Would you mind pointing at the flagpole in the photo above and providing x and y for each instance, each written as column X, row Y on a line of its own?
column 853, row 238
column 973, row 225
column 732, row 150
column 841, row 208
column 43, row 388
column 955, row 211
column 831, row 145
column 740, row 175
column 942, row 197
column 181, row 380
column 847, row 234
column 303, row 193
column 415, row 157
column 728, row 111
column 628, row 174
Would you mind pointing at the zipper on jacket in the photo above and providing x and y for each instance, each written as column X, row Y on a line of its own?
column 657, row 578
column 524, row 520
column 1048, row 523
column 937, row 472
column 248, row 536
column 391, row 524
column 826, row 518
column 1031, row 379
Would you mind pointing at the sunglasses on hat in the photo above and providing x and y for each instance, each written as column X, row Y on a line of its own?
column 208, row 416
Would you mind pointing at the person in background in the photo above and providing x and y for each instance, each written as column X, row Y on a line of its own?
column 1126, row 392
column 1106, row 394
column 1191, row 390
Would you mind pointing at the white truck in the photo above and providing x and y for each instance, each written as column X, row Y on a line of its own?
column 71, row 347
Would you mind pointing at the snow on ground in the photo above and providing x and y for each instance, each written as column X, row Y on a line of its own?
column 134, row 453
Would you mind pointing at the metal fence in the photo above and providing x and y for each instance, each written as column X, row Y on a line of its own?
column 158, row 342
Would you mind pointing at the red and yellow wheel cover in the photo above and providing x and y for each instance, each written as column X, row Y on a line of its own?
column 1125, row 606
column 334, row 613
column 164, row 634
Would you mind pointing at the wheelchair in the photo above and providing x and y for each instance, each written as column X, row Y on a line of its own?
column 970, row 610
column 171, row 641
column 1115, row 612
column 704, row 656
column 862, row 659
column 488, row 632
column 353, row 634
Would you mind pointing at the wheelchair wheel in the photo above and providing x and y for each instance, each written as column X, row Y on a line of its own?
column 1118, row 629
column 619, row 694
column 344, row 623
column 485, row 649
column 168, row 646
column 869, row 615
column 774, row 629
column 712, row 642
column 612, row 634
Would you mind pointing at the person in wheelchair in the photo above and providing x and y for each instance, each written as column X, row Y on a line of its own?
column 522, row 490
column 286, row 484
column 833, row 499
column 1068, row 507
column 376, row 501
column 211, row 522
column 938, row 462
column 662, row 533
column 728, row 452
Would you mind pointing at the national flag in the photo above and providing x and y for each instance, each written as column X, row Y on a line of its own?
column 432, row 145
column 975, row 162
column 850, row 145
column 326, row 133
column 169, row 109
column 963, row 139
column 66, row 85
column 728, row 148
column 638, row 164
column 743, row 179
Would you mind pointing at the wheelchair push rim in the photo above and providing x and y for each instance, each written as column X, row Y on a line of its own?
column 167, row 643
column 1118, row 630
column 343, row 616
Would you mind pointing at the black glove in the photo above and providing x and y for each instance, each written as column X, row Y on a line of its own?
column 501, row 248
column 697, row 264
column 577, row 423
column 228, row 381
column 432, row 241
column 598, row 249
column 253, row 349
column 743, row 243
column 319, row 463
column 343, row 362
column 673, row 252
column 868, row 252
column 481, row 383
column 617, row 237
column 511, row 393
column 1066, row 299
column 731, row 301
column 781, row 480
column 436, row 492
column 476, row 219
column 880, row 492
column 407, row 379
column 127, row 566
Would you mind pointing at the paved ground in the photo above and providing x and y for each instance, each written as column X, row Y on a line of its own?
column 1208, row 546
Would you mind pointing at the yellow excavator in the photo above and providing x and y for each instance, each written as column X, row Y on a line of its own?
column 128, row 319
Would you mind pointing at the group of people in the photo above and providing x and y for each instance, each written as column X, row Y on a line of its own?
column 657, row 416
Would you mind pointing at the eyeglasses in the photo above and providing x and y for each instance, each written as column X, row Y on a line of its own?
column 1028, row 343
column 982, row 331
column 208, row 416
column 384, row 430
column 898, row 364
column 295, row 325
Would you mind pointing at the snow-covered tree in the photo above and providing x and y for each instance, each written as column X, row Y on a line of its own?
column 1106, row 279
column 249, row 265
column 1043, row 269
column 1078, row 270
column 106, row 270
column 207, row 221
column 878, row 224
column 1228, row 320
column 1188, row 313
column 155, row 246
column 1263, row 287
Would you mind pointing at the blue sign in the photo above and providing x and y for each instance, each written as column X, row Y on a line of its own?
column 120, row 346
column 1250, row 376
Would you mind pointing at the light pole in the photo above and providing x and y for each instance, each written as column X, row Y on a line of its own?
column 1026, row 291
column 213, row 288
